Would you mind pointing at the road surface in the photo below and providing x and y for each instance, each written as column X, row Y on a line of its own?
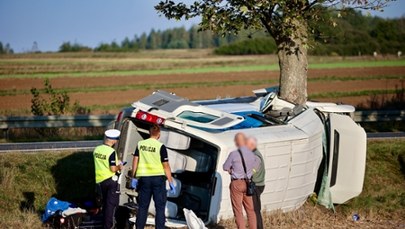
column 49, row 146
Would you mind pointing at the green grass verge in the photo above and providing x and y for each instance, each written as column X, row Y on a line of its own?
column 29, row 180
column 193, row 84
column 384, row 186
column 243, row 68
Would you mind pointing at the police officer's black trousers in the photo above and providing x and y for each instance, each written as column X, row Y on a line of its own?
column 257, row 204
column 147, row 187
column 109, row 189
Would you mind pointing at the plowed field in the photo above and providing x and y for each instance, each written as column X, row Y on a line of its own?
column 107, row 93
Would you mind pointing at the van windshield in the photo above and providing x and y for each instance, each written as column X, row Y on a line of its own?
column 197, row 116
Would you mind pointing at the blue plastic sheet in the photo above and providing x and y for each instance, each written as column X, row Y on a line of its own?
column 53, row 206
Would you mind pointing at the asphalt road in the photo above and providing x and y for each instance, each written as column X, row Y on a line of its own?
column 386, row 135
column 49, row 146
column 32, row 147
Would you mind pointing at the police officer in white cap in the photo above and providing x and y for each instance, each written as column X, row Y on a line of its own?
column 106, row 165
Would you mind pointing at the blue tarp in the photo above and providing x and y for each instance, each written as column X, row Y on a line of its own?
column 248, row 122
column 53, row 206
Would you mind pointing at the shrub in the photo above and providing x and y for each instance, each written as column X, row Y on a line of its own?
column 75, row 47
column 53, row 102
column 126, row 46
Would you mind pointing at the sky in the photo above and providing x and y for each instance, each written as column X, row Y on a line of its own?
column 90, row 22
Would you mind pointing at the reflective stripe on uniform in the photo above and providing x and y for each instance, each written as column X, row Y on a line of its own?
column 150, row 163
column 101, row 157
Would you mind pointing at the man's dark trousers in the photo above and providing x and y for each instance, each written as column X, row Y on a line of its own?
column 257, row 204
column 147, row 187
column 111, row 199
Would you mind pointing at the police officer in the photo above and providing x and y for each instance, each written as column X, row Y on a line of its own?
column 151, row 167
column 106, row 165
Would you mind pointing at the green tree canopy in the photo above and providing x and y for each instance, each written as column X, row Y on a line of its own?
column 289, row 22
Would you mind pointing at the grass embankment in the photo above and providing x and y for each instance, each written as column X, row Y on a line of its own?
column 29, row 180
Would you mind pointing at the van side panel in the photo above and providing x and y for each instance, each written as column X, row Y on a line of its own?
column 292, row 155
column 277, row 159
column 306, row 156
column 305, row 160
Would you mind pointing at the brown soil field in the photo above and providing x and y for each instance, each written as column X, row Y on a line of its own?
column 23, row 102
column 127, row 97
column 192, row 93
column 9, row 83
column 360, row 102
column 346, row 86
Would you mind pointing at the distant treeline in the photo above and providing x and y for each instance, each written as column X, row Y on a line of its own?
column 177, row 38
column 350, row 34
column 6, row 49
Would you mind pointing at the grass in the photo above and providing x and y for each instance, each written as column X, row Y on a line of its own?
column 29, row 180
column 217, row 69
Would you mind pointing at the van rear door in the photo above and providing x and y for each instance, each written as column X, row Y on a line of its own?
column 126, row 147
column 347, row 158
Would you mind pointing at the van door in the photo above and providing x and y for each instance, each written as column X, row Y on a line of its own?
column 126, row 147
column 347, row 158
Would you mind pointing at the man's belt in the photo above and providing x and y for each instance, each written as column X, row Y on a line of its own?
column 238, row 179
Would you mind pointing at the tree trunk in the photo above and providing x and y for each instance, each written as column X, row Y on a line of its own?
column 293, row 62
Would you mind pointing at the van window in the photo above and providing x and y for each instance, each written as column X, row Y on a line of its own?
column 197, row 116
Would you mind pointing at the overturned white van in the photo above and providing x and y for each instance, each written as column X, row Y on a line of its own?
column 300, row 144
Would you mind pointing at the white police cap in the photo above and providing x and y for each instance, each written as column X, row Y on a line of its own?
column 112, row 134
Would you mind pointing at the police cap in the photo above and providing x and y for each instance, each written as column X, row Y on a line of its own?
column 112, row 134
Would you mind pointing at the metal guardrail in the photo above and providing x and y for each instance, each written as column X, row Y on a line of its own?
column 55, row 121
column 379, row 116
column 103, row 120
